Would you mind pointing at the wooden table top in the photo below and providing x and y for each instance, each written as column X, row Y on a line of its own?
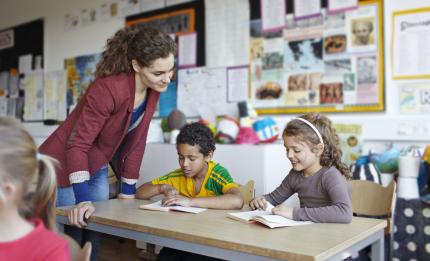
column 310, row 242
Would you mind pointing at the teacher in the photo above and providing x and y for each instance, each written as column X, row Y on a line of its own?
column 110, row 124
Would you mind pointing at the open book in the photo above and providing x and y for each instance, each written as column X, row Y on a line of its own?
column 157, row 206
column 267, row 218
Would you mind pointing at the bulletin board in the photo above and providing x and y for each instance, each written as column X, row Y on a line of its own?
column 25, row 39
column 178, row 19
column 326, row 63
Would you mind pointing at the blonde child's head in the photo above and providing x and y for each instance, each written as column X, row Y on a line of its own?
column 317, row 131
column 27, row 179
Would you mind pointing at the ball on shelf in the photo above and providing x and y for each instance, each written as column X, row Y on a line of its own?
column 228, row 128
column 176, row 120
column 266, row 129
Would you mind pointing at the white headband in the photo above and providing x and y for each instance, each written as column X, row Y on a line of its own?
column 313, row 127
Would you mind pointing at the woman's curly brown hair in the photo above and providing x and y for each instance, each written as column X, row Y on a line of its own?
column 139, row 43
column 332, row 154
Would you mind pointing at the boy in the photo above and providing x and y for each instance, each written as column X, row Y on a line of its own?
column 199, row 182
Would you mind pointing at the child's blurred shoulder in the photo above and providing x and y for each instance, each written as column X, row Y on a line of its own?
column 46, row 237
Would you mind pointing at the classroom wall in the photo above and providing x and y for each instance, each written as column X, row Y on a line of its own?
column 59, row 43
column 377, row 127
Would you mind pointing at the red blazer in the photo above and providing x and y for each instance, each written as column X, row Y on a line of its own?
column 93, row 132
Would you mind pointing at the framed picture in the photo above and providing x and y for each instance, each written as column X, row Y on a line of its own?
column 410, row 58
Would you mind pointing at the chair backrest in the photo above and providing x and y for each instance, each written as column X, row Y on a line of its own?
column 247, row 191
column 76, row 252
column 373, row 200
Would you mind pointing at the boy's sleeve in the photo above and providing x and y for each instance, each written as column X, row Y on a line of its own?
column 158, row 181
column 166, row 179
column 220, row 181
column 229, row 186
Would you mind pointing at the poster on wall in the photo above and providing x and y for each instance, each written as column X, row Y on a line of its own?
column 80, row 71
column 410, row 44
column 202, row 92
column 327, row 63
column 351, row 141
column 55, row 106
column 415, row 98
column 33, row 100
column 6, row 39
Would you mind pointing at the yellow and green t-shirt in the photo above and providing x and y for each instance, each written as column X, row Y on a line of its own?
column 217, row 182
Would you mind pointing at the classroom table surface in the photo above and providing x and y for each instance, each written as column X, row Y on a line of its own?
column 318, row 241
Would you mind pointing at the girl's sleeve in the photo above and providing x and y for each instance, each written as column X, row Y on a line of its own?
column 340, row 210
column 282, row 192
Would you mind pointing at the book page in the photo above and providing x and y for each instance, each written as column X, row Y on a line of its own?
column 279, row 221
column 248, row 215
column 158, row 206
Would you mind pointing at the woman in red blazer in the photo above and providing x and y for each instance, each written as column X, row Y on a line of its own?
column 110, row 124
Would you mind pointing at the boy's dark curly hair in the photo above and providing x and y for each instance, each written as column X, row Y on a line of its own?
column 197, row 134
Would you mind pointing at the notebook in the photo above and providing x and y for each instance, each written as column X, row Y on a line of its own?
column 266, row 217
column 157, row 206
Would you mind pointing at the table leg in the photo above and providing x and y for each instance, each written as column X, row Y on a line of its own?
column 377, row 251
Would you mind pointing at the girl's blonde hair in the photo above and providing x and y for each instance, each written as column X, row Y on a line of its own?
column 332, row 154
column 33, row 174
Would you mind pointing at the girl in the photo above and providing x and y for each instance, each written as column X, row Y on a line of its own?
column 26, row 237
column 110, row 124
column 318, row 176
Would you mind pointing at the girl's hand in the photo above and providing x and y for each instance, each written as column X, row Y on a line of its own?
column 168, row 190
column 258, row 203
column 283, row 211
column 80, row 213
column 176, row 200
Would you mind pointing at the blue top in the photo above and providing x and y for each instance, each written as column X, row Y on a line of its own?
column 137, row 112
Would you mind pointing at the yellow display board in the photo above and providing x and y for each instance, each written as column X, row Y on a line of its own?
column 324, row 63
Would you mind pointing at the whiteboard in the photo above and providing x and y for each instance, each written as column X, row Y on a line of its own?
column 202, row 92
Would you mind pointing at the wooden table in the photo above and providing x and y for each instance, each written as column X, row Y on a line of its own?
column 212, row 233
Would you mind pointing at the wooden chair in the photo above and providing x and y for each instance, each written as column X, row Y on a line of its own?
column 247, row 191
column 372, row 200
column 76, row 252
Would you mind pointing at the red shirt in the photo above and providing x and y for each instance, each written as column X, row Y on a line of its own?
column 95, row 129
column 40, row 244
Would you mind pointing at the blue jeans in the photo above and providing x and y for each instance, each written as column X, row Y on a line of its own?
column 99, row 191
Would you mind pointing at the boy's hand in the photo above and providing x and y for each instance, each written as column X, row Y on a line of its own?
column 168, row 190
column 176, row 200
column 283, row 211
column 258, row 203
